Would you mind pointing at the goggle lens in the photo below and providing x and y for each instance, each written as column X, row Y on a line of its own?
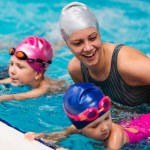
column 21, row 55
column 91, row 115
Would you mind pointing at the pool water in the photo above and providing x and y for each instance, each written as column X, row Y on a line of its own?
column 125, row 22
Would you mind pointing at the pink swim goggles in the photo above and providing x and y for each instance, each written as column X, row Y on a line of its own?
column 92, row 113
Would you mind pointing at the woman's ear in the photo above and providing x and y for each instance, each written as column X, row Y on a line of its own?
column 38, row 76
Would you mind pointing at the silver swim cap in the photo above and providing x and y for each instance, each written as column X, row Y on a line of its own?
column 76, row 16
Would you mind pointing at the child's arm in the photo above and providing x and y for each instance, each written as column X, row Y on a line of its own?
column 57, row 86
column 32, row 136
column 4, row 81
column 27, row 95
column 55, row 136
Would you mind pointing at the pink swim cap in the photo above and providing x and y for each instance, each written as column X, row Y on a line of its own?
column 36, row 48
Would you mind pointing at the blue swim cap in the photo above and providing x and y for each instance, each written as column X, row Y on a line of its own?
column 83, row 99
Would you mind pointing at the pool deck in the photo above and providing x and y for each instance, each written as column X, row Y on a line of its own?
column 11, row 138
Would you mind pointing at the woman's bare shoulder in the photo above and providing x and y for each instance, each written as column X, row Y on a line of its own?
column 109, row 46
column 133, row 66
column 74, row 64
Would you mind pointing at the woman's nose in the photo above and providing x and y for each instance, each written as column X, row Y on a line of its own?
column 87, row 46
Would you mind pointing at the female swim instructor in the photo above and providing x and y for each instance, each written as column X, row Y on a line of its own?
column 122, row 72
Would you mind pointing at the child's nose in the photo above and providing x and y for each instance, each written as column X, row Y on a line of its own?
column 12, row 70
column 104, row 126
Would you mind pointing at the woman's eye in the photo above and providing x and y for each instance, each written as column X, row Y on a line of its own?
column 93, row 38
column 77, row 44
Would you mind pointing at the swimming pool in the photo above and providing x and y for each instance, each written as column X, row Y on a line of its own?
column 120, row 22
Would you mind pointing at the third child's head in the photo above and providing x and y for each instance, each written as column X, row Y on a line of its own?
column 29, row 60
column 89, row 110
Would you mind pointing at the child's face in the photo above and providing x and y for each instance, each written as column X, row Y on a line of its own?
column 100, row 128
column 20, row 72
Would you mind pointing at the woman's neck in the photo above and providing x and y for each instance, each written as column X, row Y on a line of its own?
column 99, row 70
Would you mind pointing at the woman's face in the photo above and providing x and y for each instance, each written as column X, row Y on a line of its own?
column 100, row 128
column 85, row 45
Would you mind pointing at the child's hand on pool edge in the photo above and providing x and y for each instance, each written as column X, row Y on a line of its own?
column 53, row 137
column 32, row 136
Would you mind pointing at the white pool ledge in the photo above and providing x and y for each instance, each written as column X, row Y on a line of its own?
column 12, row 139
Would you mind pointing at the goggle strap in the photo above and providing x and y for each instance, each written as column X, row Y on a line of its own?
column 100, row 110
column 12, row 50
column 82, row 117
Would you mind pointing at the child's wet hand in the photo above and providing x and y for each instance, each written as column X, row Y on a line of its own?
column 32, row 136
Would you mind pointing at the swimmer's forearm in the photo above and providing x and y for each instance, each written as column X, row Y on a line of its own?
column 20, row 96
column 71, row 130
column 4, row 98
column 5, row 81
column 10, row 97
column 57, row 136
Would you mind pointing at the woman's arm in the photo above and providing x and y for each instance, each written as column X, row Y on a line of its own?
column 74, row 70
column 134, row 66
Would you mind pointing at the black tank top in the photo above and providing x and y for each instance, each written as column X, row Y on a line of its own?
column 116, row 88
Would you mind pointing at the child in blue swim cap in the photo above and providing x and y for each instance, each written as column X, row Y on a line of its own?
column 84, row 103
column 89, row 111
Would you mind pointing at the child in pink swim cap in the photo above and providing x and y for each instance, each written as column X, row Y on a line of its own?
column 28, row 63
column 89, row 111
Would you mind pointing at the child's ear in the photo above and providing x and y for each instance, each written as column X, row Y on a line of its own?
column 38, row 76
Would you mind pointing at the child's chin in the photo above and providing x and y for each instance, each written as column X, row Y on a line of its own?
column 15, row 84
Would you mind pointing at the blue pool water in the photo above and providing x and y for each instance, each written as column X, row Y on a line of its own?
column 120, row 22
